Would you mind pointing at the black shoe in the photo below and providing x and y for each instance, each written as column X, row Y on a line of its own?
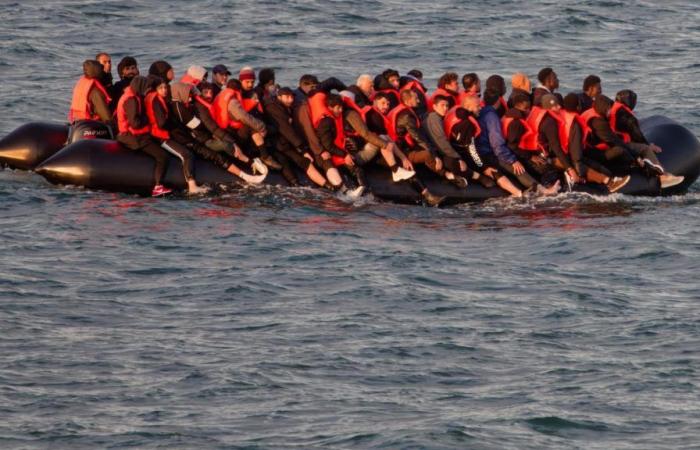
column 460, row 182
column 271, row 162
column 432, row 199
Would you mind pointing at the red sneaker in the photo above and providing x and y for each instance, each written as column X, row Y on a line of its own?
column 160, row 190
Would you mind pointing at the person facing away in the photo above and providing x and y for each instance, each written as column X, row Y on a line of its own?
column 90, row 99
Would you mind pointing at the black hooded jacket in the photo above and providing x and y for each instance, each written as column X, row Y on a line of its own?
column 137, row 117
column 600, row 126
column 161, row 69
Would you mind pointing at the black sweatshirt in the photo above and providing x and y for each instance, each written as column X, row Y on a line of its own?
column 281, row 117
column 326, row 135
column 548, row 135
column 628, row 123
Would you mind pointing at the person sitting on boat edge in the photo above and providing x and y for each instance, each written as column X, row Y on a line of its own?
column 448, row 87
column 498, row 84
column 548, row 83
column 106, row 60
column 219, row 78
column 520, row 84
column 127, row 69
column 90, row 99
column 592, row 87
column 363, row 89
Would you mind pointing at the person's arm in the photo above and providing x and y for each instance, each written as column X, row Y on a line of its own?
column 629, row 124
column 576, row 148
column 355, row 120
column 515, row 132
column 550, row 130
column 601, row 129
column 498, row 144
column 160, row 116
column 238, row 113
column 100, row 106
column 407, row 123
column 303, row 122
column 435, row 129
column 326, row 136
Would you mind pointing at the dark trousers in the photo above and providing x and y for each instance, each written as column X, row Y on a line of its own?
column 144, row 143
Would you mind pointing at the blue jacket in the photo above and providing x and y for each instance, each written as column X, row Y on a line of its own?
column 491, row 138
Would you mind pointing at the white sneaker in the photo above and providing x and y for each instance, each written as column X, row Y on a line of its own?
column 668, row 180
column 355, row 193
column 402, row 174
column 199, row 190
column 259, row 167
column 653, row 167
column 253, row 179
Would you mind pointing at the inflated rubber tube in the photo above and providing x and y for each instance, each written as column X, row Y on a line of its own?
column 104, row 165
column 31, row 144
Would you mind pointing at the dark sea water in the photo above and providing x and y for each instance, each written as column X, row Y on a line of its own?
column 275, row 318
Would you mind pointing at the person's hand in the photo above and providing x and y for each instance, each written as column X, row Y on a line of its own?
column 325, row 156
column 462, row 166
column 518, row 168
column 538, row 160
column 655, row 148
column 406, row 163
column 574, row 176
column 438, row 163
column 349, row 161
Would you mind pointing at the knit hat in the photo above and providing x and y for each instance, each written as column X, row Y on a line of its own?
column 549, row 101
column 520, row 81
column 246, row 73
column 197, row 72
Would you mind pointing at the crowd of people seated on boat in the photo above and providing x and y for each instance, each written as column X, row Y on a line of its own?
column 534, row 142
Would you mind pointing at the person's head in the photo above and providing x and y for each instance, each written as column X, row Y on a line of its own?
column 521, row 102
column 392, row 76
column 441, row 104
column 548, row 78
column 602, row 105
column 471, row 84
column 93, row 69
column 472, row 104
column 247, row 78
column 335, row 104
column 206, row 90
column 592, row 86
column 520, row 81
column 285, row 95
column 234, row 84
column 572, row 103
column 409, row 98
column 197, row 74
column 497, row 83
column 415, row 73
column 551, row 103
column 381, row 102
column 308, row 83
column 266, row 78
column 366, row 84
column 491, row 97
column 448, row 81
column 162, row 69
column 627, row 97
column 220, row 74
column 127, row 68
column 105, row 60
column 159, row 85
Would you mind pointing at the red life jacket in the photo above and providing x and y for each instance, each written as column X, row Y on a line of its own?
column 413, row 84
column 587, row 116
column 463, row 94
column 528, row 141
column 122, row 121
column 391, row 129
column 206, row 104
column 219, row 109
column 189, row 79
column 613, row 120
column 451, row 119
column 150, row 100
column 565, row 128
column 537, row 115
column 318, row 109
column 501, row 101
column 390, row 92
column 384, row 117
column 80, row 108
column 444, row 93
column 251, row 103
column 361, row 111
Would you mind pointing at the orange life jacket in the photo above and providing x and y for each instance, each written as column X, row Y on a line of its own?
column 219, row 109
column 537, row 115
column 122, row 121
column 318, row 110
column 613, row 120
column 349, row 131
column 393, row 132
column 413, row 84
column 444, row 93
column 80, row 108
column 463, row 94
column 528, row 141
column 384, row 117
column 391, row 92
column 587, row 116
column 201, row 100
column 451, row 119
column 189, row 79
column 150, row 100
column 565, row 128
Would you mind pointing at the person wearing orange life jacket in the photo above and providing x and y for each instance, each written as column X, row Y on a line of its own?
column 194, row 75
column 327, row 117
column 413, row 80
column 388, row 82
column 471, row 87
column 219, row 78
column 447, row 86
column 623, row 120
column 498, row 84
column 520, row 84
column 162, row 130
column 90, row 99
column 571, row 133
column 591, row 89
column 363, row 89
column 548, row 83
column 134, row 131
column 289, row 145
column 614, row 148
column 190, row 131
